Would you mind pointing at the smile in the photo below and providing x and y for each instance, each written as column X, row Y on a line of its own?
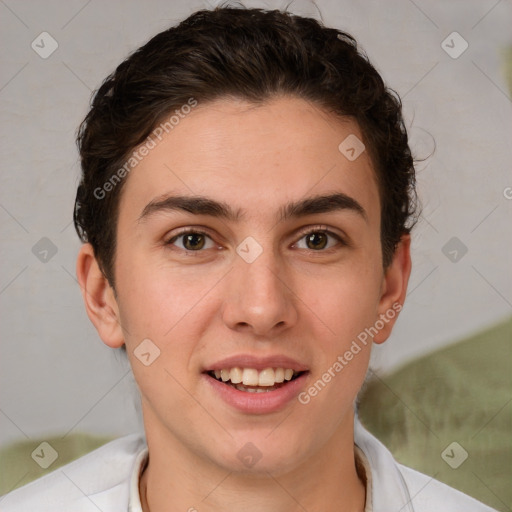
column 251, row 380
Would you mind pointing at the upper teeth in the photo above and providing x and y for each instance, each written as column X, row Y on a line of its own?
column 251, row 377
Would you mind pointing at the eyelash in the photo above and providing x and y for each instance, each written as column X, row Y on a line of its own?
column 302, row 234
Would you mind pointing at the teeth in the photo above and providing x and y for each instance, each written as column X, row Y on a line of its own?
column 266, row 377
column 236, row 375
column 240, row 387
column 251, row 377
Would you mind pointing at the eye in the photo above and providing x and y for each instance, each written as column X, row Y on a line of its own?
column 318, row 239
column 192, row 240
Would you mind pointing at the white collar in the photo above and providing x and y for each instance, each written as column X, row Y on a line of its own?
column 388, row 487
column 134, row 504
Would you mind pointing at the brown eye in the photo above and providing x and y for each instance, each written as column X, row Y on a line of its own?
column 191, row 241
column 316, row 240
column 319, row 239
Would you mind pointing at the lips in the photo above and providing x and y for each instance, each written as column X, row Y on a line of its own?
column 256, row 399
column 256, row 384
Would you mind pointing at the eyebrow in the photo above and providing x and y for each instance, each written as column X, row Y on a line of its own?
column 201, row 205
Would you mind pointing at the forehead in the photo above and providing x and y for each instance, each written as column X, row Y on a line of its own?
column 254, row 157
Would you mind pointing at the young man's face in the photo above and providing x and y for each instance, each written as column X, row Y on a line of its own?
column 254, row 292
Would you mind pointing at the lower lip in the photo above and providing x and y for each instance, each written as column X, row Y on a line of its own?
column 258, row 403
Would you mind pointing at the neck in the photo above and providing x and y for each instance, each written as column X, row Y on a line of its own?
column 177, row 480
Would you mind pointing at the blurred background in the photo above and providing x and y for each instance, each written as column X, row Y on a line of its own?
column 451, row 64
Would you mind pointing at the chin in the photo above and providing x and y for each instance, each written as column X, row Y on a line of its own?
column 256, row 453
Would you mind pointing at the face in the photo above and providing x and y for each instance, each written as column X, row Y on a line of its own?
column 263, row 273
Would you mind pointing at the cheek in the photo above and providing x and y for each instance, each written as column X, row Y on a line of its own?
column 346, row 301
column 158, row 306
column 346, row 305
column 161, row 303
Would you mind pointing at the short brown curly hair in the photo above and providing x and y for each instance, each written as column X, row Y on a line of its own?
column 252, row 54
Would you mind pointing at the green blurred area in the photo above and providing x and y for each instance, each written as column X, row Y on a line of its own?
column 17, row 467
column 461, row 394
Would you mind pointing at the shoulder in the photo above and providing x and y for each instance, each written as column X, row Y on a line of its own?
column 427, row 494
column 98, row 480
column 397, row 487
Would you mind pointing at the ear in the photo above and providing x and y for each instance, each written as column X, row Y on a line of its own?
column 394, row 288
column 99, row 298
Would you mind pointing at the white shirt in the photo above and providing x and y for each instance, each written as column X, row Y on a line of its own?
column 107, row 480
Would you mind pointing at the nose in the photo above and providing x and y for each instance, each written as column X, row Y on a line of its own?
column 260, row 297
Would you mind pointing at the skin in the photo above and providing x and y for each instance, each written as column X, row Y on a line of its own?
column 294, row 299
